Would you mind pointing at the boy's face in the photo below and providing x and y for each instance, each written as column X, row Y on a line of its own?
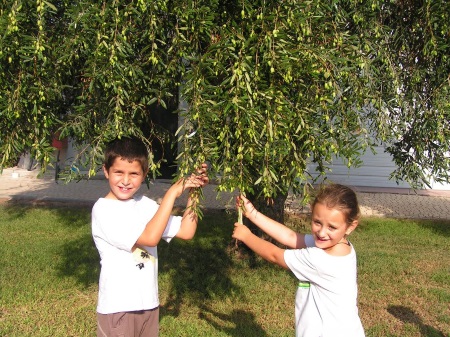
column 125, row 178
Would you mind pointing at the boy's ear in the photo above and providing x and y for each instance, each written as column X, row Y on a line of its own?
column 351, row 227
column 105, row 172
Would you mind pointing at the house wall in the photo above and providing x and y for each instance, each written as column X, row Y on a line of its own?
column 374, row 172
column 439, row 186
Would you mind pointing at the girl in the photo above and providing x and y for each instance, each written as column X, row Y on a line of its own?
column 324, row 262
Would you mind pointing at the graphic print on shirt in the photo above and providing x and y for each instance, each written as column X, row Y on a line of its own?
column 141, row 256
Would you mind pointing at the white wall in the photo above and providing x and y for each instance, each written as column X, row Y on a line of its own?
column 374, row 172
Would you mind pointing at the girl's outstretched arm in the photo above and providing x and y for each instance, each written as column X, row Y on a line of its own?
column 263, row 248
column 276, row 230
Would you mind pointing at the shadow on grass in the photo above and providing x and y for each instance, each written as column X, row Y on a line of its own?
column 81, row 261
column 243, row 322
column 439, row 227
column 72, row 215
column 198, row 269
column 407, row 315
column 69, row 224
column 79, row 257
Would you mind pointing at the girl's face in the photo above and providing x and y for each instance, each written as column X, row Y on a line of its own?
column 125, row 178
column 329, row 226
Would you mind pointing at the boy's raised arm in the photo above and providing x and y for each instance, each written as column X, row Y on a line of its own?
column 155, row 227
column 189, row 221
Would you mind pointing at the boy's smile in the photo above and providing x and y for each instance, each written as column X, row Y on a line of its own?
column 125, row 178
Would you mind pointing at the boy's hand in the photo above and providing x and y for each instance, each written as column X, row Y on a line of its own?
column 246, row 206
column 240, row 231
column 195, row 180
column 201, row 178
column 203, row 173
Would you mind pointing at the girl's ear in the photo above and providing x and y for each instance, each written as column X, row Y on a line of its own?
column 105, row 172
column 351, row 227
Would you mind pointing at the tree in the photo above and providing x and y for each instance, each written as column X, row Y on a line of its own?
column 29, row 92
column 283, row 85
column 272, row 87
column 88, row 70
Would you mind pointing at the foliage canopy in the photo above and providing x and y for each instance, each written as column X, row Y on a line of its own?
column 275, row 90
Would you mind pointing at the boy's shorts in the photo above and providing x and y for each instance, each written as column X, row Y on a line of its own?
column 129, row 324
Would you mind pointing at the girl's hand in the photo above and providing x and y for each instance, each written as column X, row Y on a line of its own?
column 246, row 206
column 240, row 231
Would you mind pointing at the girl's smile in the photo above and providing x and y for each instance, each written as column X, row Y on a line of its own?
column 329, row 227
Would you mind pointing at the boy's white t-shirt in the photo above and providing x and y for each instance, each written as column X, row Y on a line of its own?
column 327, row 307
column 128, row 282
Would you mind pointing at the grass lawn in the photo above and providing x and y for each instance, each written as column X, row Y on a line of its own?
column 49, row 278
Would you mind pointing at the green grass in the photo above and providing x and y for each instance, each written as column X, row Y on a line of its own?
column 49, row 272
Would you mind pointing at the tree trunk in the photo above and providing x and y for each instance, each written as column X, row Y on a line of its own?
column 273, row 208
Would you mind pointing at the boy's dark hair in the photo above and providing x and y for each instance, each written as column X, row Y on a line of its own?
column 339, row 197
column 128, row 148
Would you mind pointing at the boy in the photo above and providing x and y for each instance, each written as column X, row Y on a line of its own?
column 126, row 229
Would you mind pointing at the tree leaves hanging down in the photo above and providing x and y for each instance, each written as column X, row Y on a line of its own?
column 29, row 94
column 283, row 87
column 417, row 49
column 126, row 71
column 275, row 90
column 280, row 85
column 110, row 65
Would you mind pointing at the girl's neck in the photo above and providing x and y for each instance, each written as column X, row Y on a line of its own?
column 341, row 248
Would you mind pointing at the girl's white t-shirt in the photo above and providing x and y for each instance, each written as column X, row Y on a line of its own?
column 327, row 306
column 128, row 282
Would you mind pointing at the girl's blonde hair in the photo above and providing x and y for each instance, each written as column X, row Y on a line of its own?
column 339, row 197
